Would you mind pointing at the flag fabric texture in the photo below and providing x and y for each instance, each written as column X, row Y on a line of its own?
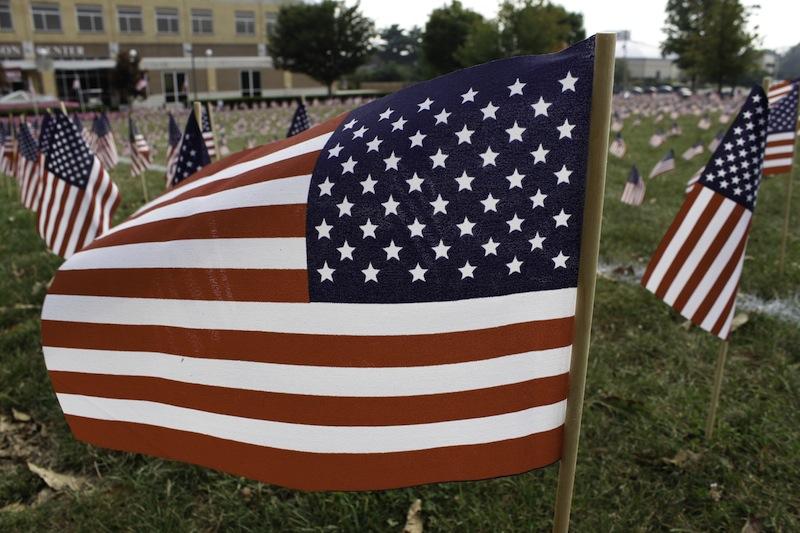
column 140, row 150
column 300, row 121
column 208, row 134
column 633, row 193
column 697, row 267
column 27, row 172
column 617, row 147
column 782, row 128
column 38, row 180
column 193, row 152
column 78, row 197
column 174, row 136
column 383, row 300
column 694, row 179
column 103, row 144
column 666, row 164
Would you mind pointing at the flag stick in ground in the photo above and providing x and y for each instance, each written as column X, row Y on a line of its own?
column 718, row 374
column 600, row 120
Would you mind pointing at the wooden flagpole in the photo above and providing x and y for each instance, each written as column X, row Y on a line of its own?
column 717, row 388
column 600, row 122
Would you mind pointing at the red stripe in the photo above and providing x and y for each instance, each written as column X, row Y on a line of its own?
column 309, row 349
column 315, row 471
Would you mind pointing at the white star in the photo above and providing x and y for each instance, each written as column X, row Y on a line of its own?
column 426, row 105
column 325, row 187
column 418, row 273
column 515, row 179
column 540, row 155
column 464, row 181
column 398, row 124
column 468, row 96
column 368, row 184
column 374, row 144
column 465, row 135
column 560, row 260
column 326, row 272
column 324, row 230
column 515, row 224
column 516, row 88
column 392, row 251
column 349, row 165
column 514, row 266
column 391, row 162
column 386, row 114
column 416, row 139
column 515, row 132
column 568, row 83
column 563, row 175
column 438, row 159
column 467, row 271
column 368, row 229
column 561, row 219
column 370, row 273
column 489, row 156
column 334, row 152
column 565, row 130
column 441, row 118
column 466, row 227
column 490, row 247
column 390, row 206
column 540, row 107
column 490, row 203
column 415, row 183
column 350, row 124
column 439, row 205
column 537, row 242
column 345, row 207
column 346, row 251
column 359, row 133
column 441, row 250
column 416, row 228
column 489, row 111
column 538, row 199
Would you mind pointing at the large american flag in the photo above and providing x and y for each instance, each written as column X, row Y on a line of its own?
column 78, row 197
column 27, row 171
column 782, row 128
column 383, row 300
column 697, row 266
column 140, row 150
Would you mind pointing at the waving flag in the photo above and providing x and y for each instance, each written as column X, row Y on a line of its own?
column 8, row 157
column 103, row 144
column 208, row 134
column 174, row 136
column 383, row 300
column 657, row 139
column 78, row 197
column 39, row 180
column 27, row 171
column 617, row 147
column 140, row 150
column 697, row 266
column 714, row 143
column 300, row 121
column 633, row 193
column 666, row 164
column 693, row 151
column 193, row 153
column 782, row 128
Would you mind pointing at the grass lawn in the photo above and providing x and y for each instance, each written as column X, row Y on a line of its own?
column 643, row 465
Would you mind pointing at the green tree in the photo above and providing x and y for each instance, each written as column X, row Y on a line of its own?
column 125, row 75
column 326, row 40
column 445, row 32
column 537, row 27
column 789, row 65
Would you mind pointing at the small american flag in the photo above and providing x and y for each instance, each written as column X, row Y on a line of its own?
column 300, row 121
column 617, row 147
column 657, row 139
column 782, row 128
column 704, row 123
column 714, row 143
column 633, row 194
column 193, row 152
column 383, row 300
column 697, row 267
column 666, row 164
column 693, row 151
column 38, row 180
column 208, row 134
column 78, row 197
column 103, row 144
column 140, row 150
column 174, row 136
column 8, row 156
column 27, row 172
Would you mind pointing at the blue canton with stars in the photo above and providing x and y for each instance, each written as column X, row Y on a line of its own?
column 27, row 145
column 193, row 153
column 783, row 114
column 734, row 170
column 68, row 157
column 469, row 185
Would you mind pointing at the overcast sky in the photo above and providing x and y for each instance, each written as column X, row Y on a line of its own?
column 644, row 18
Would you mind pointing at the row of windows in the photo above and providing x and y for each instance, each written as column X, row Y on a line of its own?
column 47, row 18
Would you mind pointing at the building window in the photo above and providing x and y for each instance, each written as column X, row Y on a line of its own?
column 251, row 83
column 272, row 24
column 166, row 20
column 46, row 17
column 245, row 23
column 130, row 19
column 202, row 21
column 90, row 18
column 5, row 16
column 176, row 87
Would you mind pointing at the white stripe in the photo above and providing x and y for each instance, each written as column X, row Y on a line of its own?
column 65, row 217
column 780, row 149
column 316, row 380
column 771, row 163
column 317, row 317
column 730, row 288
column 675, row 244
column 283, row 191
column 689, row 266
column 105, row 220
column 310, row 145
column 321, row 439
column 289, row 253
column 784, row 136
column 712, row 274
column 80, row 218
column 55, row 207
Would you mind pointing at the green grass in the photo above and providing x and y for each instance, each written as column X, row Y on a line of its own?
column 647, row 395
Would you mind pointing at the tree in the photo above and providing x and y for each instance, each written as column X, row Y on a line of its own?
column 125, row 75
column 711, row 39
column 396, row 56
column 445, row 32
column 538, row 27
column 789, row 65
column 326, row 40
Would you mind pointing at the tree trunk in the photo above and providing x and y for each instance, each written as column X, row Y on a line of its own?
column 330, row 89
